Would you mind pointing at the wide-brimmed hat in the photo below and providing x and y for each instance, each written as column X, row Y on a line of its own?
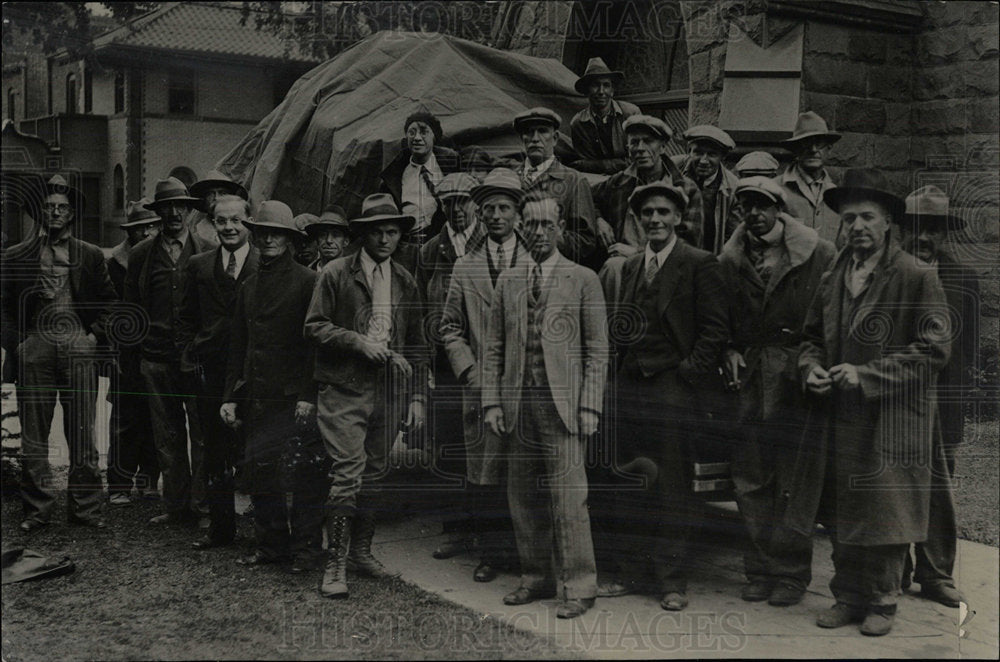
column 169, row 190
column 216, row 179
column 597, row 69
column 140, row 214
column 333, row 216
column 865, row 184
column 58, row 184
column 928, row 208
column 654, row 125
column 763, row 185
column 456, row 185
column 535, row 116
column 380, row 208
column 811, row 125
column 276, row 215
column 757, row 163
column 499, row 180
column 712, row 134
column 641, row 193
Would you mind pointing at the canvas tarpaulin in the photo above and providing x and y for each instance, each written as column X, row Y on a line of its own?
column 342, row 122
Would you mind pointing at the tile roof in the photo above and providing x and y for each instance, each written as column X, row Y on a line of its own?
column 200, row 28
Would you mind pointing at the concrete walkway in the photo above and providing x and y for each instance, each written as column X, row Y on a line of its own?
column 716, row 623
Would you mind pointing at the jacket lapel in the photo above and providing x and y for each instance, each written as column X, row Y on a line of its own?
column 249, row 265
column 479, row 272
column 359, row 276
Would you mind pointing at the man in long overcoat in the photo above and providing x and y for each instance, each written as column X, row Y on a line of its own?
column 874, row 341
column 269, row 386
column 772, row 265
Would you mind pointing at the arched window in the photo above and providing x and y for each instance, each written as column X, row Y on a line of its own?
column 119, row 91
column 184, row 174
column 119, row 182
column 71, row 98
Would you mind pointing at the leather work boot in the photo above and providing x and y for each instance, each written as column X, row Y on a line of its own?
column 360, row 558
column 338, row 533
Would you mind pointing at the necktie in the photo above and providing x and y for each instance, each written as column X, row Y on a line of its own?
column 174, row 248
column 536, row 282
column 501, row 258
column 379, row 322
column 529, row 176
column 652, row 268
column 231, row 267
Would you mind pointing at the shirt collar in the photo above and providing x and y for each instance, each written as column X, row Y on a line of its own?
column 431, row 164
column 508, row 244
column 661, row 255
column 181, row 238
column 548, row 264
column 616, row 111
column 869, row 262
column 240, row 253
column 59, row 239
column 541, row 167
column 368, row 264
column 771, row 237
column 464, row 234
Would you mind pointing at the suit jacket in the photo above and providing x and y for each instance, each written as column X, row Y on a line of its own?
column 339, row 312
column 587, row 142
column 392, row 176
column 574, row 342
column 818, row 217
column 207, row 312
column 723, row 221
column 570, row 188
column 434, row 267
column 91, row 287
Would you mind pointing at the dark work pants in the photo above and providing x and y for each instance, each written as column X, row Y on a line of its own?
column 171, row 396
column 492, row 524
column 761, row 471
column 63, row 370
column 446, row 419
column 935, row 558
column 131, row 451
column 222, row 450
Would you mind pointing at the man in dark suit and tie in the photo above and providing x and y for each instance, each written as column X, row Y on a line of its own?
column 56, row 302
column 213, row 278
column 543, row 388
column 678, row 291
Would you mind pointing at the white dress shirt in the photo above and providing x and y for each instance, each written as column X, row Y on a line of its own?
column 380, row 284
column 659, row 257
column 241, row 257
column 416, row 192
column 858, row 274
column 509, row 246
column 460, row 239
column 531, row 172
column 547, row 265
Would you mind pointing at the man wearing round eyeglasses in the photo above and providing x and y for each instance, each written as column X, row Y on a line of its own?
column 56, row 303
column 213, row 278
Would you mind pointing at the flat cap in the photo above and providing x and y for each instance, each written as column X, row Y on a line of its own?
column 762, row 185
column 654, row 125
column 536, row 115
column 641, row 193
column 710, row 133
column 757, row 163
column 455, row 185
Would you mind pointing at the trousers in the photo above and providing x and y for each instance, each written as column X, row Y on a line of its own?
column 131, row 451
column 63, row 370
column 547, row 492
column 867, row 576
column 935, row 557
column 222, row 450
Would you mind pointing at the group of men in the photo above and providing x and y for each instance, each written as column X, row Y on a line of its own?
column 525, row 318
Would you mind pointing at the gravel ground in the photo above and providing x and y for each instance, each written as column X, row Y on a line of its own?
column 142, row 593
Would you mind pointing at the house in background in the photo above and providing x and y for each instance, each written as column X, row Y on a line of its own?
column 169, row 94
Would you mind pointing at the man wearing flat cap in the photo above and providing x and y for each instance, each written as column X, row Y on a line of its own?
column 209, row 303
column 155, row 281
column 806, row 180
column 462, row 233
column 925, row 227
column 772, row 265
column 646, row 139
column 413, row 176
column 464, row 322
column 543, row 176
column 56, row 307
column 875, row 338
column 707, row 146
column 131, row 452
column 207, row 190
column 597, row 130
column 365, row 319
column 662, row 370
column 270, row 389
column 757, row 164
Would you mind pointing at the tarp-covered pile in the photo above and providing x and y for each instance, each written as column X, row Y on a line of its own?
column 342, row 122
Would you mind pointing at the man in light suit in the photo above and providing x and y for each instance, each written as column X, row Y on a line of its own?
column 465, row 318
column 543, row 388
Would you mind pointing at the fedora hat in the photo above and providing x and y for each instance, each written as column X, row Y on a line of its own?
column 536, row 115
column 215, row 179
column 379, row 208
column 58, row 184
column 928, row 207
column 763, row 185
column 333, row 217
column 140, row 214
column 811, row 125
column 596, row 69
column 499, row 180
column 276, row 215
column 456, row 185
column 641, row 193
column 654, row 125
column 169, row 190
column 757, row 163
column 712, row 134
column 865, row 184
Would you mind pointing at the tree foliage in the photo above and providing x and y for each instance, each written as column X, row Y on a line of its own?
column 324, row 29
column 52, row 26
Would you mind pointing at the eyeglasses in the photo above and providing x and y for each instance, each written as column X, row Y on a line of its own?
column 62, row 208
